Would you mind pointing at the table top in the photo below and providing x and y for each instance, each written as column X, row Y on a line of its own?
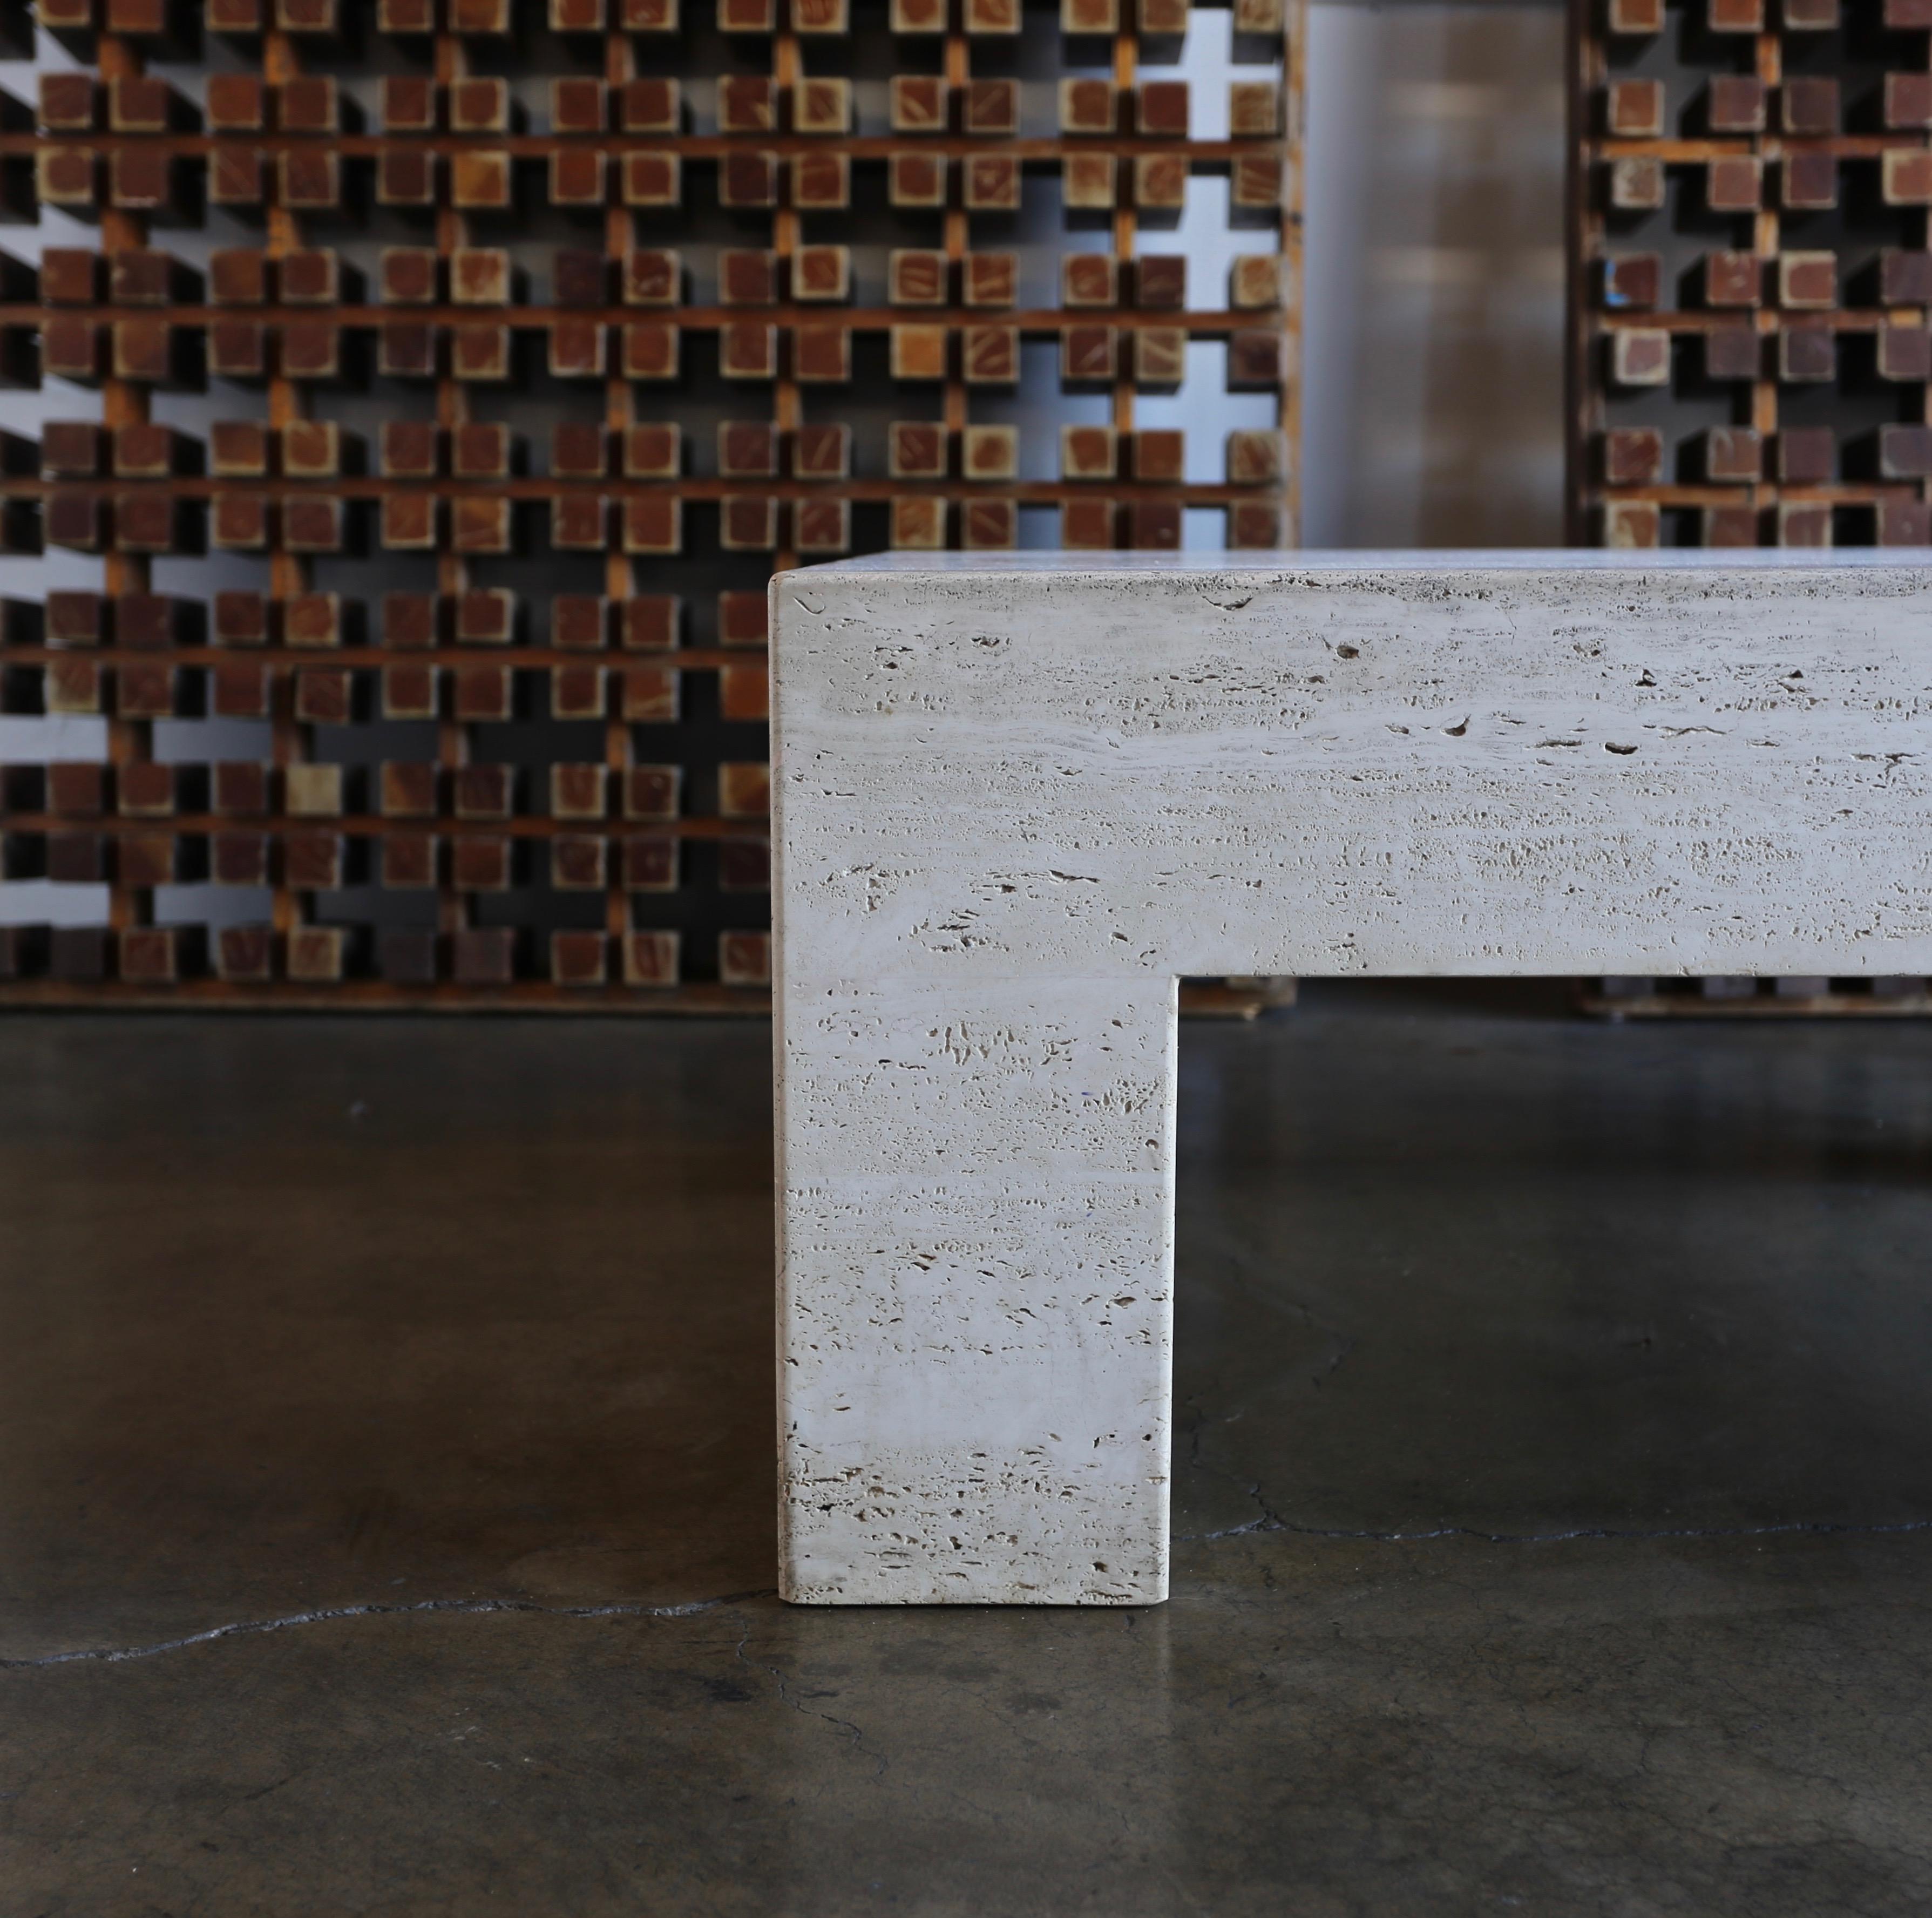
column 1540, row 559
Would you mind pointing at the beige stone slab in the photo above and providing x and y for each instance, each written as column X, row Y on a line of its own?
column 1013, row 800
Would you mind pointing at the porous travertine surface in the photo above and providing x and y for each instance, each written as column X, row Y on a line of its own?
column 1014, row 803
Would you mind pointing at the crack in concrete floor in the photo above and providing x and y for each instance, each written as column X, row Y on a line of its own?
column 114, row 1654
column 778, row 1678
column 1270, row 1523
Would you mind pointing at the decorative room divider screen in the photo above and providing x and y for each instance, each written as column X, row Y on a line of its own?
column 1751, row 278
column 431, row 387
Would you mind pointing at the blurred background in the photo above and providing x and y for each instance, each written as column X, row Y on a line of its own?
column 1432, row 406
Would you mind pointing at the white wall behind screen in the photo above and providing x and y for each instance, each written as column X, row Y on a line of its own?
column 1433, row 405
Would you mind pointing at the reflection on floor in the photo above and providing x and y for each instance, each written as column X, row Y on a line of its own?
column 385, row 1499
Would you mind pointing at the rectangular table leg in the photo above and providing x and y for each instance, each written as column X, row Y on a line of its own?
column 976, row 1245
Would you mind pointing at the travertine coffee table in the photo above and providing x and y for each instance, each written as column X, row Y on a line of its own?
column 1015, row 799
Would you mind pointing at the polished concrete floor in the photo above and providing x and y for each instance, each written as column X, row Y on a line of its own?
column 385, row 1490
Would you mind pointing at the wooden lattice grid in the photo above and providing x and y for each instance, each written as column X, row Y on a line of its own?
column 436, row 261
column 1750, row 275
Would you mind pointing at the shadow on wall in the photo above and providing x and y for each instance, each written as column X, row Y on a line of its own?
column 1433, row 409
